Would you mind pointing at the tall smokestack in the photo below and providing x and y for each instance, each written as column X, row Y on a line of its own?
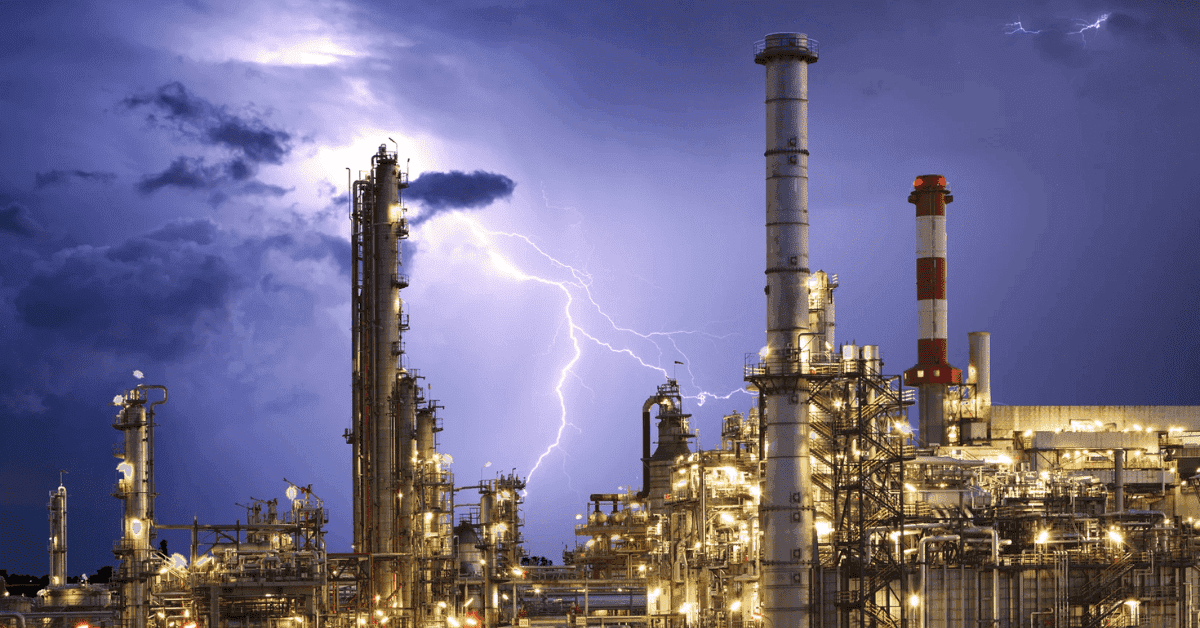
column 932, row 373
column 786, row 509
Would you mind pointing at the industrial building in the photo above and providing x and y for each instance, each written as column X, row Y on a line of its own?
column 822, row 506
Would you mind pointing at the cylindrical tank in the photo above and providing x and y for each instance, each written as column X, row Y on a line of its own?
column 872, row 364
column 786, row 506
column 979, row 372
column 469, row 554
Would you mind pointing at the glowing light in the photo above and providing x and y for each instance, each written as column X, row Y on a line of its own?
column 453, row 622
column 1043, row 537
column 735, row 605
column 291, row 493
column 685, row 608
column 135, row 526
column 823, row 527
column 914, row 600
column 1115, row 537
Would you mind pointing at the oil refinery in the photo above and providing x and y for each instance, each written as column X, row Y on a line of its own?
column 845, row 496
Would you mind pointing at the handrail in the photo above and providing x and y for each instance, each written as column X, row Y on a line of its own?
column 809, row 44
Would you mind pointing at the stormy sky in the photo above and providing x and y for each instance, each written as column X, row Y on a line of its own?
column 587, row 209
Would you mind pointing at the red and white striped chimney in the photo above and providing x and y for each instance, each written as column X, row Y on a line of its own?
column 932, row 373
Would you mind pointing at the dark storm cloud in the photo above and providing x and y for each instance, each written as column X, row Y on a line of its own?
column 63, row 177
column 198, row 231
column 215, row 125
column 459, row 190
column 15, row 219
column 192, row 173
column 185, row 172
column 258, row 188
column 251, row 141
column 144, row 296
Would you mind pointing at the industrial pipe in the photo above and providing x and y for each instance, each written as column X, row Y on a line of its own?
column 20, row 616
column 925, row 569
column 650, row 403
column 1119, row 479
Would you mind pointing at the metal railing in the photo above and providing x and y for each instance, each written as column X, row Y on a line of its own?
column 807, row 44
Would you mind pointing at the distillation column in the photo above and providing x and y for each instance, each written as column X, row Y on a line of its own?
column 383, row 429
column 135, row 488
column 786, row 509
column 932, row 373
column 58, row 536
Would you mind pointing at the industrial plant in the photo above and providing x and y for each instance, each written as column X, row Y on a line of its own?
column 844, row 497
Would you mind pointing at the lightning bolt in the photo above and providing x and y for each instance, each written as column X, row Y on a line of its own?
column 580, row 281
column 1013, row 28
column 1084, row 26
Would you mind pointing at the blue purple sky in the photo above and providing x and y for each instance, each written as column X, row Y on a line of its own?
column 172, row 200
